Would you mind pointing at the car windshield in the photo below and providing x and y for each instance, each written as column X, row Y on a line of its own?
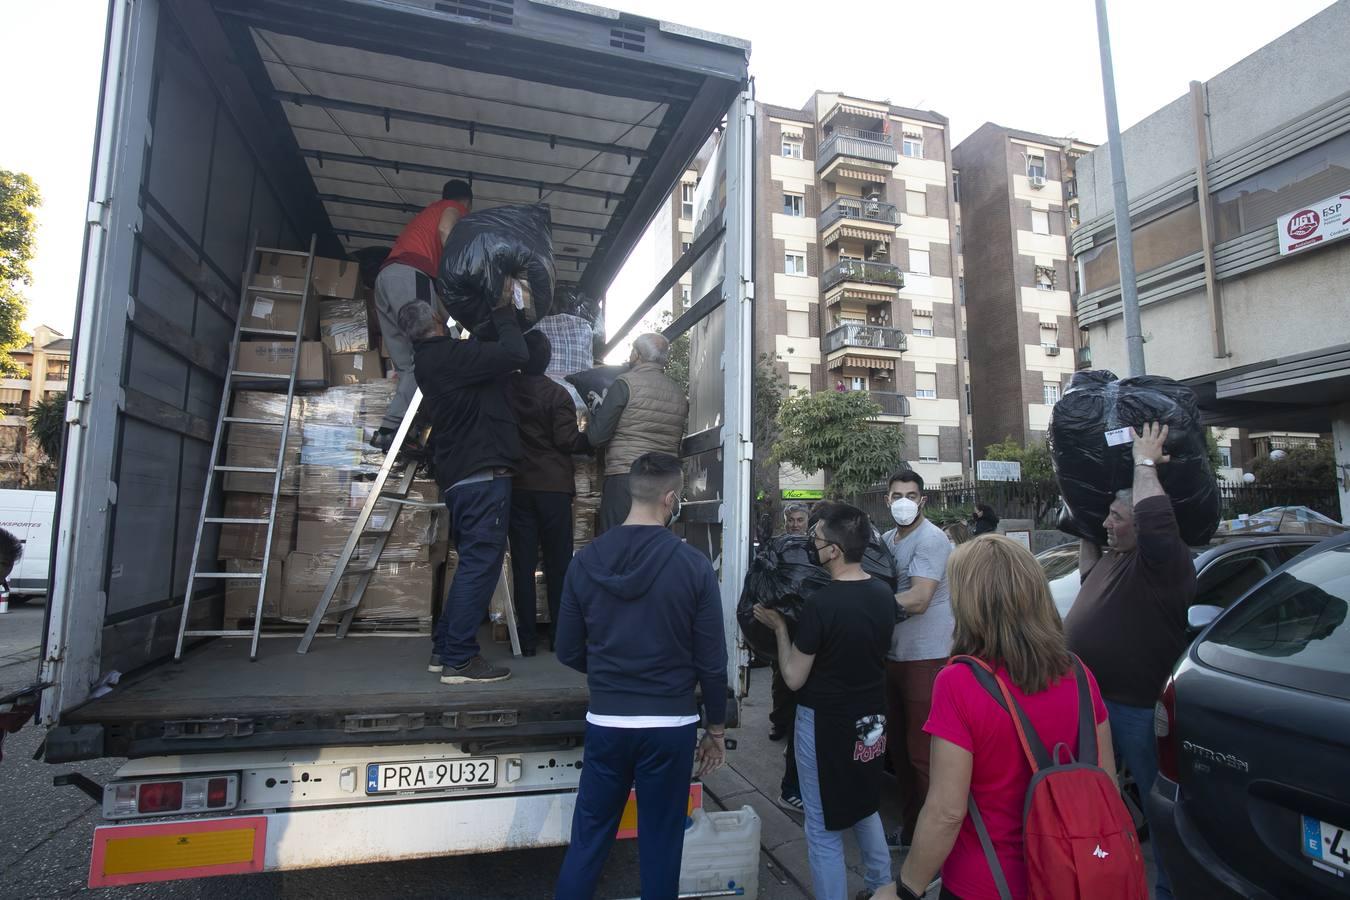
column 1293, row 629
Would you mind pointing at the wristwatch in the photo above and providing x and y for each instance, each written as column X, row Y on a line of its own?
column 903, row 891
column 1146, row 462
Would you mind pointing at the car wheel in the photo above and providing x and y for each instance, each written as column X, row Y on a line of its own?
column 19, row 599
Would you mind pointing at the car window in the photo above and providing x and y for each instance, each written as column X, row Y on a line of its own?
column 1229, row 577
column 1286, row 552
column 1293, row 631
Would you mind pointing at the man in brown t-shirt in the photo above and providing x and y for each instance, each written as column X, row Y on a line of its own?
column 1129, row 621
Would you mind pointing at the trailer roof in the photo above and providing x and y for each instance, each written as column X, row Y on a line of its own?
column 594, row 112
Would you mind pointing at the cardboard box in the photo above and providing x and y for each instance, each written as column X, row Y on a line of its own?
column 241, row 596
column 354, row 368
column 399, row 591
column 332, row 277
column 256, row 445
column 241, row 542
column 275, row 358
column 261, row 458
column 279, row 312
column 326, row 530
column 344, row 326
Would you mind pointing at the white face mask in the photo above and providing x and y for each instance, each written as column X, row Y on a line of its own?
column 904, row 511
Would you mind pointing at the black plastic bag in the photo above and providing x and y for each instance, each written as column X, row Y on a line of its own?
column 1090, row 471
column 879, row 563
column 486, row 248
column 782, row 578
column 592, row 384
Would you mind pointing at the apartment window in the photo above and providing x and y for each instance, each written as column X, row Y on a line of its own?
column 794, row 263
column 1226, row 457
column 857, row 383
column 1040, row 221
column 794, row 205
column 1035, row 165
column 928, row 448
column 685, row 245
column 684, row 296
column 968, row 409
column 918, row 262
column 1051, row 393
column 792, row 148
column 1073, row 215
column 911, row 145
column 687, row 200
column 925, row 385
column 1045, row 278
column 956, row 187
column 961, row 289
column 923, row 327
column 916, row 203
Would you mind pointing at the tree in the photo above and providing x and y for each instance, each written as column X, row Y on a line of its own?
column 1212, row 450
column 1034, row 457
column 47, row 424
column 1301, row 467
column 833, row 431
column 19, row 198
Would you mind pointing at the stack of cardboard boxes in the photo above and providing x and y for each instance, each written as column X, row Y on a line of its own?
column 328, row 466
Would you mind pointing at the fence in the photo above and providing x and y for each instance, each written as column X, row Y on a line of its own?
column 1040, row 501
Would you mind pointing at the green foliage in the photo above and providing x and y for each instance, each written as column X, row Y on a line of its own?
column 47, row 424
column 942, row 516
column 832, row 431
column 1301, row 467
column 19, row 199
column 1212, row 449
column 1035, row 458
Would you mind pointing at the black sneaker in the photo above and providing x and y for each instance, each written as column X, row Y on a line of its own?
column 777, row 732
column 476, row 671
column 435, row 664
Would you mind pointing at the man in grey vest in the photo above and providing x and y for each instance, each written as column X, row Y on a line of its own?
column 644, row 411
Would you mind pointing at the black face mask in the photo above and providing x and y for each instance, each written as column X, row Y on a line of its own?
column 813, row 554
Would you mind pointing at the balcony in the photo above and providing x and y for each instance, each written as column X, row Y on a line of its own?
column 870, row 147
column 864, row 220
column 867, row 337
column 891, row 404
column 864, row 272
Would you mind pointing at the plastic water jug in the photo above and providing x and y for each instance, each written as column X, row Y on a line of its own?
column 721, row 852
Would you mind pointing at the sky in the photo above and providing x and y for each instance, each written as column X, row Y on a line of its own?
column 1028, row 66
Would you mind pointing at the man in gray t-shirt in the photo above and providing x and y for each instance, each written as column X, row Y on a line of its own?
column 919, row 645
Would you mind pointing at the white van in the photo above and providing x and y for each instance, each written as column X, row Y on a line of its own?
column 28, row 516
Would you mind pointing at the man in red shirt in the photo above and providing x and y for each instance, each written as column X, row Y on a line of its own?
column 408, row 275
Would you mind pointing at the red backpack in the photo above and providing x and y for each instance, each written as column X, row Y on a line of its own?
column 1078, row 838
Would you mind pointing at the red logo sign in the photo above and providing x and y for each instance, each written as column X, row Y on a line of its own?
column 1303, row 223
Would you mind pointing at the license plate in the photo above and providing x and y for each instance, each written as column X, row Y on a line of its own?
column 431, row 775
column 1326, row 843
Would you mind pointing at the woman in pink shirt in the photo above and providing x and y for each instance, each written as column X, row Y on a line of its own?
column 1004, row 616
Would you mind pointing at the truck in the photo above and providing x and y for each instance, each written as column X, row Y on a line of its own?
column 227, row 122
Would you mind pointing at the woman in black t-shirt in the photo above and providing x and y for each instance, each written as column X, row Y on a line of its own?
column 837, row 665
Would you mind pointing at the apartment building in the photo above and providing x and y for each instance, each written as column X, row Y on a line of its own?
column 1236, row 209
column 1019, row 199
column 856, row 267
column 45, row 363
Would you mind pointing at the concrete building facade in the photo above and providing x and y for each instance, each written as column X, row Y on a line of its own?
column 46, row 370
column 856, row 267
column 1222, row 182
column 1019, row 202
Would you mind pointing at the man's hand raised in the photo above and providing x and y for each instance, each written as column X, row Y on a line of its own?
column 1148, row 444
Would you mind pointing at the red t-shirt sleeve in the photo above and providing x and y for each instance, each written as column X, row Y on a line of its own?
column 947, row 717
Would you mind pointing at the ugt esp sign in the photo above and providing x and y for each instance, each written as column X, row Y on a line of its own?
column 1314, row 225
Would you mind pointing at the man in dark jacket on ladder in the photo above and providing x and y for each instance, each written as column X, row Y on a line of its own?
column 477, row 443
column 642, row 617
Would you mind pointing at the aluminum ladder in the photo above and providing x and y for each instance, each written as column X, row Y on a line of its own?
column 224, row 419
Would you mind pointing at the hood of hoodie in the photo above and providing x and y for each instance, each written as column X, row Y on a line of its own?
column 626, row 561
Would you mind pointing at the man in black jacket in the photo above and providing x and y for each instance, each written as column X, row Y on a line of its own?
column 542, row 487
column 477, row 443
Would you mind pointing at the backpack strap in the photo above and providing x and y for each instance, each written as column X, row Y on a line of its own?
column 1087, row 723
column 987, row 844
column 1035, row 751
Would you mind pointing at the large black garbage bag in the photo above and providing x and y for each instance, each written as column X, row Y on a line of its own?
column 782, row 578
column 485, row 249
column 592, row 384
column 879, row 563
column 1090, row 469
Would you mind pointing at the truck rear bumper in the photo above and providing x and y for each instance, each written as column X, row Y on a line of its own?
column 304, row 839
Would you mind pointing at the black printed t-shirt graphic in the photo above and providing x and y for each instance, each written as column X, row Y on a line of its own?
column 847, row 627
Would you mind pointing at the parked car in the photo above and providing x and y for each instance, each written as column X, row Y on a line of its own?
column 28, row 516
column 1252, row 798
column 1224, row 570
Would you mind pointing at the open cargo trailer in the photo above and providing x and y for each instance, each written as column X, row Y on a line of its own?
column 221, row 119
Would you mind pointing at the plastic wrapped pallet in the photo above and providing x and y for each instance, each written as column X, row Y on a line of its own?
column 336, row 426
column 249, row 541
column 241, row 596
column 487, row 248
column 326, row 528
column 1091, row 447
column 256, row 445
column 344, row 326
column 399, row 593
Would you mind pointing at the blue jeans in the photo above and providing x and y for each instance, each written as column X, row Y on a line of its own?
column 479, row 515
column 825, row 848
column 659, row 761
column 1132, row 735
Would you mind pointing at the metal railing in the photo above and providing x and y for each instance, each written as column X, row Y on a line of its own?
column 891, row 404
column 861, row 210
column 870, row 337
column 873, row 146
column 859, row 270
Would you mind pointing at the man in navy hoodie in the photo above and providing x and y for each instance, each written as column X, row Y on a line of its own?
column 642, row 617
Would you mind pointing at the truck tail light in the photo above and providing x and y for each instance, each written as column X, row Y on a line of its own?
column 160, row 797
column 1165, row 731
column 217, row 793
column 165, row 796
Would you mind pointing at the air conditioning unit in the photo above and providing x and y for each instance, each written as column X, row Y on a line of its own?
column 1050, row 349
column 1037, row 181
